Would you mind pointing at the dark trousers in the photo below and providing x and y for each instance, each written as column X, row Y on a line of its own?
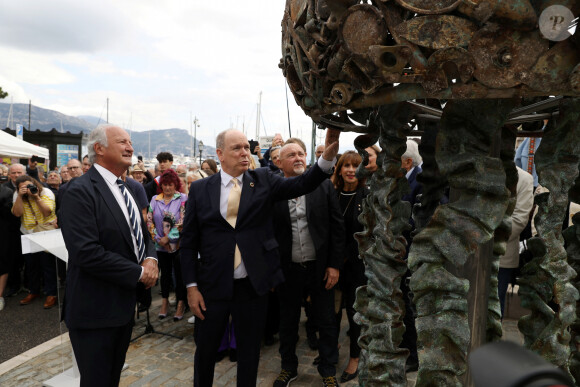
column 169, row 263
column 100, row 354
column 273, row 316
column 504, row 277
column 310, row 325
column 409, row 340
column 41, row 267
column 300, row 279
column 248, row 311
column 352, row 276
column 16, row 261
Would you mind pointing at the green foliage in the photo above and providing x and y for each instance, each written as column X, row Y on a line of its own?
column 3, row 94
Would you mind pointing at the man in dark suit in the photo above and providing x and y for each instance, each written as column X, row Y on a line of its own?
column 228, row 222
column 310, row 232
column 110, row 251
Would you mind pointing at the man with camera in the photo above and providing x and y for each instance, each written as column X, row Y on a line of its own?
column 35, row 206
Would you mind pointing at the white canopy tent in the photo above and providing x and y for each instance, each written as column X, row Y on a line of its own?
column 11, row 146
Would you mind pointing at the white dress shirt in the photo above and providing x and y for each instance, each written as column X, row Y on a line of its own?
column 111, row 180
column 225, row 188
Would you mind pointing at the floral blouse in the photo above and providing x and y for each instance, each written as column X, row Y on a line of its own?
column 166, row 220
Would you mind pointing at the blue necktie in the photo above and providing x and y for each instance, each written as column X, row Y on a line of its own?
column 133, row 214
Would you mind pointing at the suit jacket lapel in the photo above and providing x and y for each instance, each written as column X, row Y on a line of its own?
column 103, row 189
column 214, row 191
column 246, row 198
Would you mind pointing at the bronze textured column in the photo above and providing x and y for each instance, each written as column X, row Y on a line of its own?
column 457, row 230
column 379, row 304
column 546, row 287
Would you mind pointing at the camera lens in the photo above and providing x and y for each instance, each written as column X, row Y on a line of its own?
column 32, row 188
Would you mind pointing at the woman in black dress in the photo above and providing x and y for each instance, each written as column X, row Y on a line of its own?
column 351, row 192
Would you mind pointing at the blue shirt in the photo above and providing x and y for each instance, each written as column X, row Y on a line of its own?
column 522, row 156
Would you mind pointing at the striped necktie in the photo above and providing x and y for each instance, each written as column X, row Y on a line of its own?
column 134, row 217
column 232, row 215
column 531, row 153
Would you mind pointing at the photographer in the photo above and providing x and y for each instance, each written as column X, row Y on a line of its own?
column 35, row 206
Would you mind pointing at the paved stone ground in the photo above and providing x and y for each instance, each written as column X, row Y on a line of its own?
column 157, row 360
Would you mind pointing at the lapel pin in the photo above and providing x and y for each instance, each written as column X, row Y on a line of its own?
column 252, row 184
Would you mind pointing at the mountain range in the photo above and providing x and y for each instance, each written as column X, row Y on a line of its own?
column 147, row 143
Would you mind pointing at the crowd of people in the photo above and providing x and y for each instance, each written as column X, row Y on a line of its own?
column 244, row 245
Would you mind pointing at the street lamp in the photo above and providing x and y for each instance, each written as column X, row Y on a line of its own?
column 200, row 147
column 195, row 126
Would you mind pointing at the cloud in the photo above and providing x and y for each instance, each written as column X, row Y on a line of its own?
column 32, row 68
column 15, row 92
column 61, row 26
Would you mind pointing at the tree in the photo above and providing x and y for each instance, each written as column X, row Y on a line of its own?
column 3, row 94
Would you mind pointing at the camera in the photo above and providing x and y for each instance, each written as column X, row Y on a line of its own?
column 32, row 188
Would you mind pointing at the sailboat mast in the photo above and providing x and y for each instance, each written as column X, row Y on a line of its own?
column 258, row 114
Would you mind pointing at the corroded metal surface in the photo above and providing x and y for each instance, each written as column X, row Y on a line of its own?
column 503, row 57
column 454, row 234
column 350, row 65
column 380, row 304
column 547, row 277
column 374, row 48
column 572, row 237
column 437, row 32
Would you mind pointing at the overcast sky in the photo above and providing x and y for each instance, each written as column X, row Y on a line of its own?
column 157, row 62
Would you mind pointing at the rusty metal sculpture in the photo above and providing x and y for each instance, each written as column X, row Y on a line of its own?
column 363, row 66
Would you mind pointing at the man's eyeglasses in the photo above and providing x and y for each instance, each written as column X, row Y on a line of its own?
column 73, row 168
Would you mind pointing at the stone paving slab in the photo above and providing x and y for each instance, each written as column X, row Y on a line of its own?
column 156, row 360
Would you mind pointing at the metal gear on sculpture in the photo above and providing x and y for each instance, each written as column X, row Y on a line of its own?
column 375, row 67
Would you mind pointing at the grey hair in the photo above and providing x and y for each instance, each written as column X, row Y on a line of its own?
column 16, row 165
column 220, row 140
column 97, row 136
column 412, row 152
column 192, row 165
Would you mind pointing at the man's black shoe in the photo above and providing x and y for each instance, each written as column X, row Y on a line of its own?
column 313, row 341
column 233, row 355
column 220, row 355
column 285, row 377
column 329, row 381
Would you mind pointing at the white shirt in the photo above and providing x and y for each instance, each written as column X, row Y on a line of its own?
column 111, row 180
column 409, row 173
column 225, row 188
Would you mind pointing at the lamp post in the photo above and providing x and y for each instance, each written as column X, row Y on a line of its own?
column 200, row 147
column 195, row 126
